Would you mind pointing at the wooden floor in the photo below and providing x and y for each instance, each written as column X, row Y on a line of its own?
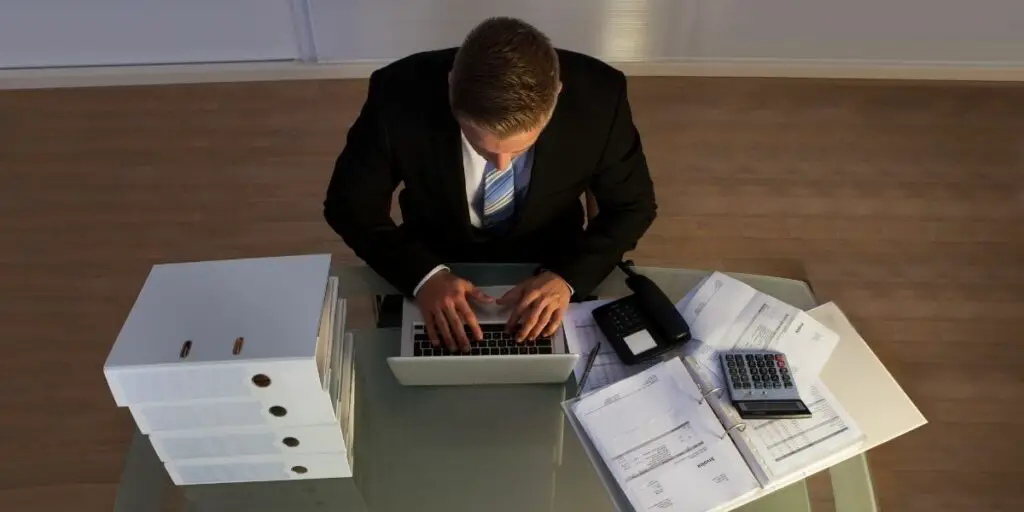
column 903, row 202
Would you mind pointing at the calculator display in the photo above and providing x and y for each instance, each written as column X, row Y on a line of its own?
column 774, row 405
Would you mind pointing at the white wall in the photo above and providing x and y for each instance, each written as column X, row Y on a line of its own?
column 954, row 31
column 52, row 33
column 880, row 30
column 46, row 33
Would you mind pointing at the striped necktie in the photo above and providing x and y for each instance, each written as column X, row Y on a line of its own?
column 499, row 195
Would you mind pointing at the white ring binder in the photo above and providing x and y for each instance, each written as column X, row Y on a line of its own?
column 704, row 397
column 739, row 427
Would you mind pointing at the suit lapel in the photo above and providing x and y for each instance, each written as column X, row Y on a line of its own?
column 545, row 164
column 450, row 175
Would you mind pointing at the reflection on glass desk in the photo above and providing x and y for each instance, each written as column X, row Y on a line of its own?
column 452, row 449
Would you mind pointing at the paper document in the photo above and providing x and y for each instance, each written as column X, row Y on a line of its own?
column 582, row 335
column 785, row 446
column 775, row 449
column 665, row 448
column 725, row 313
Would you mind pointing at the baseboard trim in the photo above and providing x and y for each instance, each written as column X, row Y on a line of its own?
column 43, row 78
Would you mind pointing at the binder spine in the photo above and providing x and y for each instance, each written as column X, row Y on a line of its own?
column 705, row 394
column 734, row 426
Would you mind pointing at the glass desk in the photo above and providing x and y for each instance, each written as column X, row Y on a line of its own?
column 462, row 448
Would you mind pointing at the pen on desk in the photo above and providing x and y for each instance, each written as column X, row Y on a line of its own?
column 586, row 370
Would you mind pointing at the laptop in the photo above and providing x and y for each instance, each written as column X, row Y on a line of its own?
column 498, row 359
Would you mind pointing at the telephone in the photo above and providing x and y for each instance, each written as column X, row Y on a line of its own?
column 643, row 325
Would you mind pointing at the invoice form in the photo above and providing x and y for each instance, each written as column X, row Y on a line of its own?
column 665, row 448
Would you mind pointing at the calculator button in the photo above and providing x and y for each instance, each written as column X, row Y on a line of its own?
column 756, row 378
column 731, row 365
column 773, row 371
column 769, row 363
column 784, row 371
column 728, row 357
column 761, row 364
column 758, row 385
column 758, row 357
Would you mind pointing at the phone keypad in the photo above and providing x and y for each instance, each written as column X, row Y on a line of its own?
column 626, row 318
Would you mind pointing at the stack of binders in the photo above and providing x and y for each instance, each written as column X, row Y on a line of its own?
column 240, row 370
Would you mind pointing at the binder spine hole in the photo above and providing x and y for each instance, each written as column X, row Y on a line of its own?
column 290, row 442
column 278, row 411
column 237, row 348
column 261, row 380
column 185, row 349
column 299, row 469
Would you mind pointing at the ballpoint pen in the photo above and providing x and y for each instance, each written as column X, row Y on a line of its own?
column 586, row 370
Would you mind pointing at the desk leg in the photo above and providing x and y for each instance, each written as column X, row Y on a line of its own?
column 144, row 481
column 852, row 488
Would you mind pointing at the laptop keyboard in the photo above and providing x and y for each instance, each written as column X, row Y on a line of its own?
column 496, row 342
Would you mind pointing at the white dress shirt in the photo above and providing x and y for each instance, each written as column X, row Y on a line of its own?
column 473, row 166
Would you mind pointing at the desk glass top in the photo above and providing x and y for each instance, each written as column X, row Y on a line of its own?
column 459, row 448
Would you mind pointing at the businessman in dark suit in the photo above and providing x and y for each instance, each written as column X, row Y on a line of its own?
column 495, row 142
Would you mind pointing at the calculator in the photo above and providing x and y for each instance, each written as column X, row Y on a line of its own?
column 761, row 385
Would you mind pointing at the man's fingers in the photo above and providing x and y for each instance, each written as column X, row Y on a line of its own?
column 530, row 320
column 522, row 309
column 470, row 319
column 512, row 296
column 518, row 316
column 442, row 326
column 431, row 330
column 479, row 296
column 457, row 327
column 542, row 322
column 513, row 321
column 555, row 322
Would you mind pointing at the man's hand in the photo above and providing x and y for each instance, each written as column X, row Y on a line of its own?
column 443, row 301
column 540, row 304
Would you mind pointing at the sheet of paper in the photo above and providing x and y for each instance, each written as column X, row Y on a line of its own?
column 582, row 335
column 665, row 449
column 725, row 313
column 785, row 446
column 775, row 449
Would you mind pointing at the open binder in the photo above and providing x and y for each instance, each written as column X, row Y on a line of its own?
column 662, row 440
column 854, row 386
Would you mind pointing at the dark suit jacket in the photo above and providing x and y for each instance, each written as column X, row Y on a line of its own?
column 407, row 134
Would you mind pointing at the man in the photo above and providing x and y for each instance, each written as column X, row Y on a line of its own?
column 495, row 142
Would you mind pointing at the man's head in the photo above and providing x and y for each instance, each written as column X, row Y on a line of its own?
column 503, row 87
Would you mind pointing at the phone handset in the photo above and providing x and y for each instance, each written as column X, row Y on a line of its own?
column 643, row 325
column 659, row 309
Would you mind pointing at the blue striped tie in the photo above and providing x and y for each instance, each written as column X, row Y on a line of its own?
column 499, row 195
